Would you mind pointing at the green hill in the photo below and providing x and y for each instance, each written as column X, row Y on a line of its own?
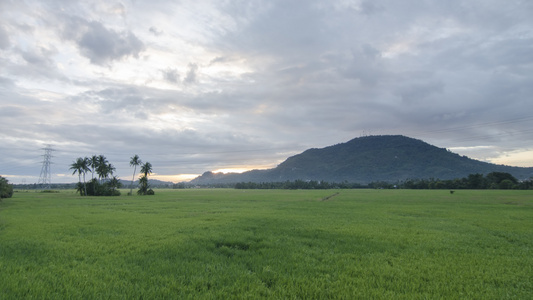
column 371, row 158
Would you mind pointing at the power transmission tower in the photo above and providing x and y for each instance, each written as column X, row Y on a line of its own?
column 45, row 179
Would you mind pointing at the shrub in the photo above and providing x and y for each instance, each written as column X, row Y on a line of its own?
column 6, row 189
column 95, row 188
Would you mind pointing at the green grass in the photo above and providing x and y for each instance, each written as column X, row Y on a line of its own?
column 224, row 244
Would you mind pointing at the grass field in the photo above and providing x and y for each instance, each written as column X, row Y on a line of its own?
column 290, row 244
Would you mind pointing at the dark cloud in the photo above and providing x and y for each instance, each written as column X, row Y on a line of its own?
column 99, row 44
column 40, row 57
column 192, row 74
column 171, row 75
column 102, row 45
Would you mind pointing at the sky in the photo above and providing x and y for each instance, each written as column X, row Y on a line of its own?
column 195, row 86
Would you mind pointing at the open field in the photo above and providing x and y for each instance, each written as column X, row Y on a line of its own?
column 224, row 243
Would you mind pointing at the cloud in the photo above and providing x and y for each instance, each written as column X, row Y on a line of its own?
column 297, row 28
column 101, row 45
column 155, row 31
column 171, row 75
column 415, row 93
column 370, row 8
column 12, row 113
column 192, row 74
column 203, row 85
column 4, row 38
column 365, row 65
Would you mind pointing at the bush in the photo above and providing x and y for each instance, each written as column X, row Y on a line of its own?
column 506, row 184
column 6, row 189
column 95, row 188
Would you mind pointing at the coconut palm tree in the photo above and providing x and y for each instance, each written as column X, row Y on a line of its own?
column 102, row 167
column 81, row 166
column 146, row 169
column 134, row 162
column 93, row 163
column 101, row 185
column 110, row 170
column 86, row 168
column 114, row 183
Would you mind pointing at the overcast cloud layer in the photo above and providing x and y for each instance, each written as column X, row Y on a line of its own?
column 192, row 86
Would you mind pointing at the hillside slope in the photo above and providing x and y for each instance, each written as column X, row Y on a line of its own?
column 367, row 159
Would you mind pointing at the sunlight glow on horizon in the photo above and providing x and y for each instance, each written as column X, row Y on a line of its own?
column 175, row 178
column 520, row 158
column 231, row 170
column 188, row 177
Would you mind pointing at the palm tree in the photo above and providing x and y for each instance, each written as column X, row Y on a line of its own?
column 143, row 186
column 134, row 162
column 85, row 166
column 114, row 183
column 93, row 163
column 76, row 166
column 102, row 167
column 101, row 185
column 146, row 169
column 80, row 166
column 79, row 188
column 110, row 170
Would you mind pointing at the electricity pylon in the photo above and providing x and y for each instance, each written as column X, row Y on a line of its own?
column 45, row 179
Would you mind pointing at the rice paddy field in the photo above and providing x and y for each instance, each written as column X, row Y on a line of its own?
column 275, row 244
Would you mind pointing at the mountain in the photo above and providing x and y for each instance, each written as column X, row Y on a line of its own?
column 370, row 158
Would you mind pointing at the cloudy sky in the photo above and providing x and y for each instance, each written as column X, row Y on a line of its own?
column 192, row 86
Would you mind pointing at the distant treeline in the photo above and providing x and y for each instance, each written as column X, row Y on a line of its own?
column 299, row 185
column 52, row 186
column 494, row 180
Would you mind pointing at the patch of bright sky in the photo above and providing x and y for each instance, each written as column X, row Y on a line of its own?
column 231, row 170
column 519, row 158
column 182, row 120
column 174, row 178
column 472, row 148
column 492, row 154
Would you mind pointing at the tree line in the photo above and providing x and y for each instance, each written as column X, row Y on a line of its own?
column 299, row 185
column 494, row 180
column 105, row 183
